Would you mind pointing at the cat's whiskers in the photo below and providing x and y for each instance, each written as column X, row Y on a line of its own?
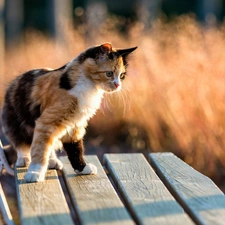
column 108, row 102
column 118, row 97
column 124, row 98
column 124, row 103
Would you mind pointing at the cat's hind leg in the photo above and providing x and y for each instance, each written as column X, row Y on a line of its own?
column 54, row 162
column 23, row 156
column 75, row 151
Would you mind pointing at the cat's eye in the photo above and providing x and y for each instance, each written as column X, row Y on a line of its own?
column 109, row 73
column 122, row 76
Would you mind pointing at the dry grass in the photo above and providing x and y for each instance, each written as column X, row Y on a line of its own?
column 175, row 89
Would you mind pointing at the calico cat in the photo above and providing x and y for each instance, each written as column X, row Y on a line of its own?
column 45, row 110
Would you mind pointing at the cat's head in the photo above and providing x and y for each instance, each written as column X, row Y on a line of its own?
column 105, row 66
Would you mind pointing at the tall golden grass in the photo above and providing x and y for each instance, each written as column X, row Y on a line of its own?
column 175, row 88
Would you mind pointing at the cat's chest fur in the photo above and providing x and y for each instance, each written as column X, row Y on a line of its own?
column 88, row 99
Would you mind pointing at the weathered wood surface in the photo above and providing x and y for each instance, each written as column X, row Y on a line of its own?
column 93, row 196
column 145, row 195
column 200, row 197
column 42, row 203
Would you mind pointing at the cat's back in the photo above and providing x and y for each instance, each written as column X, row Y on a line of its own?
column 19, row 91
column 18, row 100
column 25, row 81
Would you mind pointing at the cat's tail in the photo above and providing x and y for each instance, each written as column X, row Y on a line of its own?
column 7, row 158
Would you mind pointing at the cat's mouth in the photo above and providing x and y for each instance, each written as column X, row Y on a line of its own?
column 117, row 85
column 112, row 89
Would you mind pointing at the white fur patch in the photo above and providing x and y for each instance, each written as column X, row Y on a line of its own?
column 36, row 71
column 117, row 81
column 35, row 173
column 22, row 159
column 55, row 163
column 88, row 169
column 89, row 98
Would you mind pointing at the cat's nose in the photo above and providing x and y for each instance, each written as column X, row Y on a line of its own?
column 116, row 84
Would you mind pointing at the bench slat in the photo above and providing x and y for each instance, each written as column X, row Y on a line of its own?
column 200, row 197
column 93, row 196
column 145, row 195
column 42, row 203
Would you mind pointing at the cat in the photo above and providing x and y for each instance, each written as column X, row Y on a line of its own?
column 45, row 110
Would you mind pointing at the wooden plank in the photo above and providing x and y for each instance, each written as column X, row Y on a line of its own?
column 145, row 195
column 94, row 197
column 42, row 203
column 200, row 197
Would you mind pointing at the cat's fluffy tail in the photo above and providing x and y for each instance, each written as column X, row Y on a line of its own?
column 8, row 156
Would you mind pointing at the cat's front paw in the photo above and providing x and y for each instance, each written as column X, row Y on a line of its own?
column 55, row 163
column 23, row 161
column 35, row 173
column 34, row 176
column 88, row 169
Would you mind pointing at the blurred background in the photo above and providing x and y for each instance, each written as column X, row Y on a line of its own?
column 173, row 98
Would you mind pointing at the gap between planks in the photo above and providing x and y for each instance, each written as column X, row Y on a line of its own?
column 145, row 195
column 93, row 196
column 198, row 195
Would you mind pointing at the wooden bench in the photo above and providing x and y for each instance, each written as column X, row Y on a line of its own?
column 127, row 190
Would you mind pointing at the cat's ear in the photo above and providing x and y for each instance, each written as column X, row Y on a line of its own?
column 106, row 47
column 126, row 52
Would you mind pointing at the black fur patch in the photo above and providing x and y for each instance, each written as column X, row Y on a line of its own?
column 19, row 114
column 23, row 101
column 124, row 53
column 112, row 55
column 89, row 53
column 75, row 153
column 65, row 82
column 94, row 53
